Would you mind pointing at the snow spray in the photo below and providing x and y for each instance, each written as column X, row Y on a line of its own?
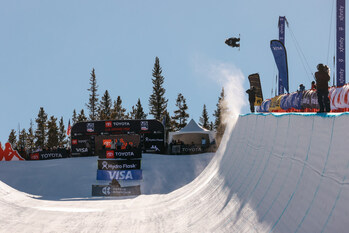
column 231, row 79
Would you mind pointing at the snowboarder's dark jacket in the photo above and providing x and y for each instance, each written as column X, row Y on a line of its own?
column 251, row 95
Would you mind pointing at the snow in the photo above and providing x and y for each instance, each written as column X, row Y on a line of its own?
column 70, row 178
column 273, row 172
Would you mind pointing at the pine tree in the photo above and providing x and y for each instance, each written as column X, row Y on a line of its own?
column 180, row 115
column 211, row 126
column 81, row 116
column 22, row 137
column 118, row 112
column 52, row 134
column 30, row 137
column 62, row 141
column 105, row 107
column 12, row 138
column 132, row 114
column 41, row 129
column 157, row 101
column 219, row 124
column 139, row 111
column 169, row 123
column 92, row 105
column 74, row 118
column 203, row 122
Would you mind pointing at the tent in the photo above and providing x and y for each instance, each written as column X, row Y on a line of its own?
column 192, row 133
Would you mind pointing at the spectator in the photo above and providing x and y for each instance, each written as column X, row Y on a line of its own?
column 118, row 144
column 112, row 144
column 313, row 85
column 322, row 78
column 251, row 97
column 301, row 88
column 203, row 143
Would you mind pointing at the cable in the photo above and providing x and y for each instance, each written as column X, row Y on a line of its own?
column 301, row 55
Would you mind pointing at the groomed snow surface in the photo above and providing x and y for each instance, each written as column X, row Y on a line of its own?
column 272, row 173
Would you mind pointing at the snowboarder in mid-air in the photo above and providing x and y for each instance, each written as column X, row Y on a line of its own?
column 233, row 42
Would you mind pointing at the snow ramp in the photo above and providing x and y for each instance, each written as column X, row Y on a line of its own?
column 272, row 173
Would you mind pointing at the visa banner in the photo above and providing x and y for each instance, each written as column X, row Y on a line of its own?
column 119, row 174
column 279, row 51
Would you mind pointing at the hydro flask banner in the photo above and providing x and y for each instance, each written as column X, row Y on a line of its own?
column 106, row 164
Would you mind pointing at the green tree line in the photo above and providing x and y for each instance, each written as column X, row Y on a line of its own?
column 50, row 134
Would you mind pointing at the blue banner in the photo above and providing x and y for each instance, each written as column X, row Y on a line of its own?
column 119, row 175
column 281, row 25
column 340, row 43
column 282, row 20
column 279, row 52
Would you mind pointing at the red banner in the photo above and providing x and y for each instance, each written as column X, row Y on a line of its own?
column 9, row 154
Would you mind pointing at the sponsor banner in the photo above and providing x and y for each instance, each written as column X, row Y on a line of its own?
column 107, row 143
column 80, row 141
column 153, row 143
column 279, row 51
column 83, row 145
column 109, row 190
column 144, row 125
column 153, row 149
column 104, row 164
column 109, row 154
column 81, row 150
column 43, row 155
column 90, row 127
column 117, row 142
column 97, row 131
column 282, row 20
column 108, row 124
column 133, row 153
column 9, row 154
column 191, row 149
column 340, row 43
column 125, row 126
column 34, row 156
column 148, row 139
column 119, row 175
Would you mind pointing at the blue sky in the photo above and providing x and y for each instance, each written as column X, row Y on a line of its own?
column 48, row 49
